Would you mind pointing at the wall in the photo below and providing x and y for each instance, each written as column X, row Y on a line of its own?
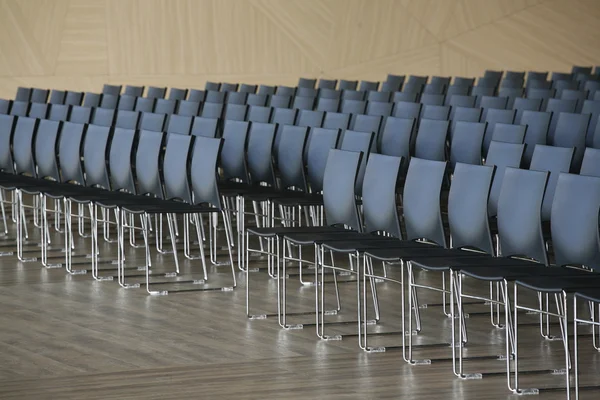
column 81, row 44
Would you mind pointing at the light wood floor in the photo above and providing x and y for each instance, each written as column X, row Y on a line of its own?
column 69, row 337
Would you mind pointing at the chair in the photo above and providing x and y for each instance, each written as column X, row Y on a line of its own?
column 535, row 75
column 579, row 69
column 366, row 123
column 228, row 87
column 460, row 101
column 431, row 140
column 152, row 122
column 462, row 81
column 463, row 114
column 379, row 108
column 537, row 123
column 80, row 115
column 491, row 83
column 512, row 94
column 501, row 155
column 466, row 143
column 432, row 88
column 235, row 112
column 493, row 74
column 282, row 117
column 509, row 133
column 521, row 104
column 285, row 91
column 303, row 103
column 103, row 117
column 144, row 104
column 543, row 94
column 405, row 96
column 367, row 86
column 403, row 109
column 327, row 105
column 329, row 94
column 109, row 101
column 514, row 75
column 554, row 160
column 413, row 87
column 259, row 114
column 492, row 117
column 212, row 110
column 38, row 110
column 353, row 106
column 382, row 97
column 493, row 102
column 360, row 142
column 591, row 162
column 214, row 96
column 538, row 84
column 165, row 106
column 357, row 95
column 196, row 95
column 571, row 130
column 593, row 109
column 335, row 120
column 205, row 127
column 279, row 101
column 4, row 106
column 432, row 99
column 154, row 92
column 266, row 90
column 257, row 100
column 73, row 98
column 562, row 85
column 114, row 90
column 394, row 82
column 417, row 80
column 59, row 112
column 92, row 99
column 188, row 108
column 236, row 98
column 20, row 108
column 127, row 119
column 327, row 83
column 126, row 102
column 23, row 94
column 347, row 85
column 458, row 89
column 179, row 124
column 579, row 96
column 592, row 87
column 435, row 112
column 556, row 107
column 397, row 139
column 512, row 83
column 135, row 91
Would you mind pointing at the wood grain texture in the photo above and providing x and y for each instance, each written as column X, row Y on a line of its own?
column 81, row 44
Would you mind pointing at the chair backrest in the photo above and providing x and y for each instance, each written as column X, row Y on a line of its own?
column 259, row 114
column 212, row 85
column 404, row 96
column 457, row 89
column 509, row 133
column 207, row 127
column 480, row 91
column 165, row 106
column 327, row 83
column 499, row 103
column 329, row 93
column 575, row 237
column 46, row 142
column 212, row 110
column 591, row 162
column 127, row 119
column 303, row 103
column 431, row 140
column 380, row 211
column 204, row 171
column 236, row 112
column 522, row 104
column 554, row 160
column 261, row 139
column 512, row 94
column 413, row 87
column 381, row 97
column 147, row 163
column 145, row 104
column 7, row 128
column 593, row 108
column 175, row 167
column 290, row 153
column 179, row 124
column 69, row 152
column 353, row 106
column 285, row 91
column 38, row 110
column 80, row 115
column 396, row 139
column 233, row 154
column 103, row 117
column 441, row 113
column 538, row 123
column 126, row 102
column 322, row 140
column 19, row 108
column 467, row 207
column 492, row 117
column 73, row 98
column 23, row 94
column 457, row 100
column 363, row 142
column 519, row 221
column 39, row 95
column 23, row 140
column 347, row 85
column 120, row 160
column 188, row 108
column 282, row 117
column 339, row 182
column 245, row 88
column 571, row 130
column 379, row 108
column 403, row 109
column 114, row 90
column 228, row 87
column 279, row 101
column 501, row 155
column 366, row 123
column 335, row 120
column 154, row 92
column 95, row 151
column 430, row 99
column 136, row 91
column 577, row 95
column 368, row 85
column 109, row 101
column 421, row 201
column 5, row 106
column 92, row 99
column 353, row 95
column 257, row 99
column 59, row 112
column 196, row 95
column 309, row 118
column 465, row 145
column 557, row 107
column 177, row 94
column 152, row 122
column 463, row 114
column 327, row 105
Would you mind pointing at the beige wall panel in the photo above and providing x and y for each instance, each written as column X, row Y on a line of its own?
column 83, row 49
column 434, row 15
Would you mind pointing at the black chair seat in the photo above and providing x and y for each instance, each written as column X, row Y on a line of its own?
column 567, row 279
column 589, row 294
column 333, row 237
column 478, row 259
column 282, row 230
column 401, row 253
column 362, row 243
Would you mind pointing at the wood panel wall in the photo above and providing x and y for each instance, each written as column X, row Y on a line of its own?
column 81, row 44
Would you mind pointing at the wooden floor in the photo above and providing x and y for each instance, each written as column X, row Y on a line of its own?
column 69, row 337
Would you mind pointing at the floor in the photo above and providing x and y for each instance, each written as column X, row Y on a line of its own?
column 70, row 337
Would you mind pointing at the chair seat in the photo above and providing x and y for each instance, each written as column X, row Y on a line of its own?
column 567, row 279
column 589, row 294
column 407, row 253
column 365, row 243
column 282, row 230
